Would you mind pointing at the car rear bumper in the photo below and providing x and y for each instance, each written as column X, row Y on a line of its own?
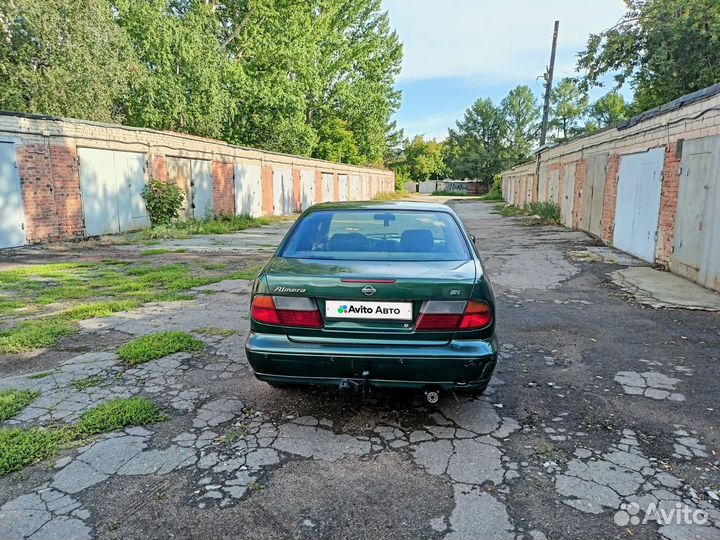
column 458, row 364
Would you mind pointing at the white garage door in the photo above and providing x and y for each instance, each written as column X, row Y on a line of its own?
column 638, row 203
column 328, row 188
column 111, row 184
column 697, row 226
column 12, row 226
column 568, row 195
column 343, row 187
column 307, row 189
column 202, row 188
column 282, row 191
column 248, row 190
column 355, row 194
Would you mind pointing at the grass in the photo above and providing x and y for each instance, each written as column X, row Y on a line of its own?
column 154, row 346
column 247, row 273
column 508, row 210
column 214, row 331
column 222, row 224
column 87, row 382
column 160, row 251
column 548, row 212
column 14, row 401
column 118, row 414
column 40, row 375
column 96, row 289
column 21, row 447
column 8, row 306
column 390, row 195
column 493, row 196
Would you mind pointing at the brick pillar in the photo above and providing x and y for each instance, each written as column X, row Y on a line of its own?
column 158, row 167
column 607, row 227
column 318, row 186
column 668, row 203
column 336, row 187
column 267, row 190
column 35, row 169
column 223, row 188
column 580, row 169
column 66, row 187
column 296, row 189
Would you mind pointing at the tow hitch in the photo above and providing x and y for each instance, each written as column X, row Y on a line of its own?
column 350, row 385
column 432, row 396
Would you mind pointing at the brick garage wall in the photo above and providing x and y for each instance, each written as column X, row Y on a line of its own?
column 223, row 187
column 46, row 154
column 687, row 119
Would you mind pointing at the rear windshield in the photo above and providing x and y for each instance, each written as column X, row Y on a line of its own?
column 377, row 235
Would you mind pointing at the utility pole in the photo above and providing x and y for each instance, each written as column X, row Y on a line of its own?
column 548, row 86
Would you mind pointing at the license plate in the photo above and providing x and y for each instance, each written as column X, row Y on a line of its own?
column 351, row 309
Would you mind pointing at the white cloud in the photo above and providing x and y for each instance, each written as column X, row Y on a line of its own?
column 496, row 41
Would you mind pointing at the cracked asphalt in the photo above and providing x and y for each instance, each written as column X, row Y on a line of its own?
column 601, row 409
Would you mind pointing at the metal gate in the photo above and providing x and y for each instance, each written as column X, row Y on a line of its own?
column 248, row 190
column 553, row 186
column 593, row 194
column 283, row 202
column 202, row 188
column 12, row 224
column 697, row 226
column 327, row 187
column 355, row 188
column 307, row 189
column 542, row 184
column 638, row 203
column 180, row 174
column 343, row 187
column 568, row 195
column 111, row 184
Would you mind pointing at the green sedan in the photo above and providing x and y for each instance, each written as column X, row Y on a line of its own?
column 374, row 294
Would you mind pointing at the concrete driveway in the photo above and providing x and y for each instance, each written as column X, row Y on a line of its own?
column 602, row 410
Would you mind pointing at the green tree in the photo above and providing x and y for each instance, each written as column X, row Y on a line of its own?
column 568, row 105
column 423, row 159
column 336, row 143
column 522, row 114
column 182, row 82
column 663, row 48
column 63, row 57
column 608, row 111
column 476, row 147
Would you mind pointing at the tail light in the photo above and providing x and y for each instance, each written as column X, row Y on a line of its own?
column 438, row 316
column 286, row 311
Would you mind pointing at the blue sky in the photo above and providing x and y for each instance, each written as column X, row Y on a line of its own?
column 457, row 51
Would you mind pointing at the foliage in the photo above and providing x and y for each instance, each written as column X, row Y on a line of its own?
column 63, row 57
column 422, row 160
column 14, row 401
column 662, row 48
column 118, row 414
column 476, row 147
column 163, row 201
column 220, row 224
column 568, row 105
column 87, row 382
column 547, row 211
column 154, row 346
column 609, row 110
column 495, row 193
column 522, row 114
column 21, row 447
column 313, row 78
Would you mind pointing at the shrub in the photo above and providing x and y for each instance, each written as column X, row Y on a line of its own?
column 163, row 201
column 154, row 346
column 118, row 414
column 547, row 211
column 495, row 193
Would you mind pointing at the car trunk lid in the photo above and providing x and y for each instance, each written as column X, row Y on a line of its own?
column 359, row 286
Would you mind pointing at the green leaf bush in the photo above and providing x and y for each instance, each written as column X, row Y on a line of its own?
column 163, row 201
